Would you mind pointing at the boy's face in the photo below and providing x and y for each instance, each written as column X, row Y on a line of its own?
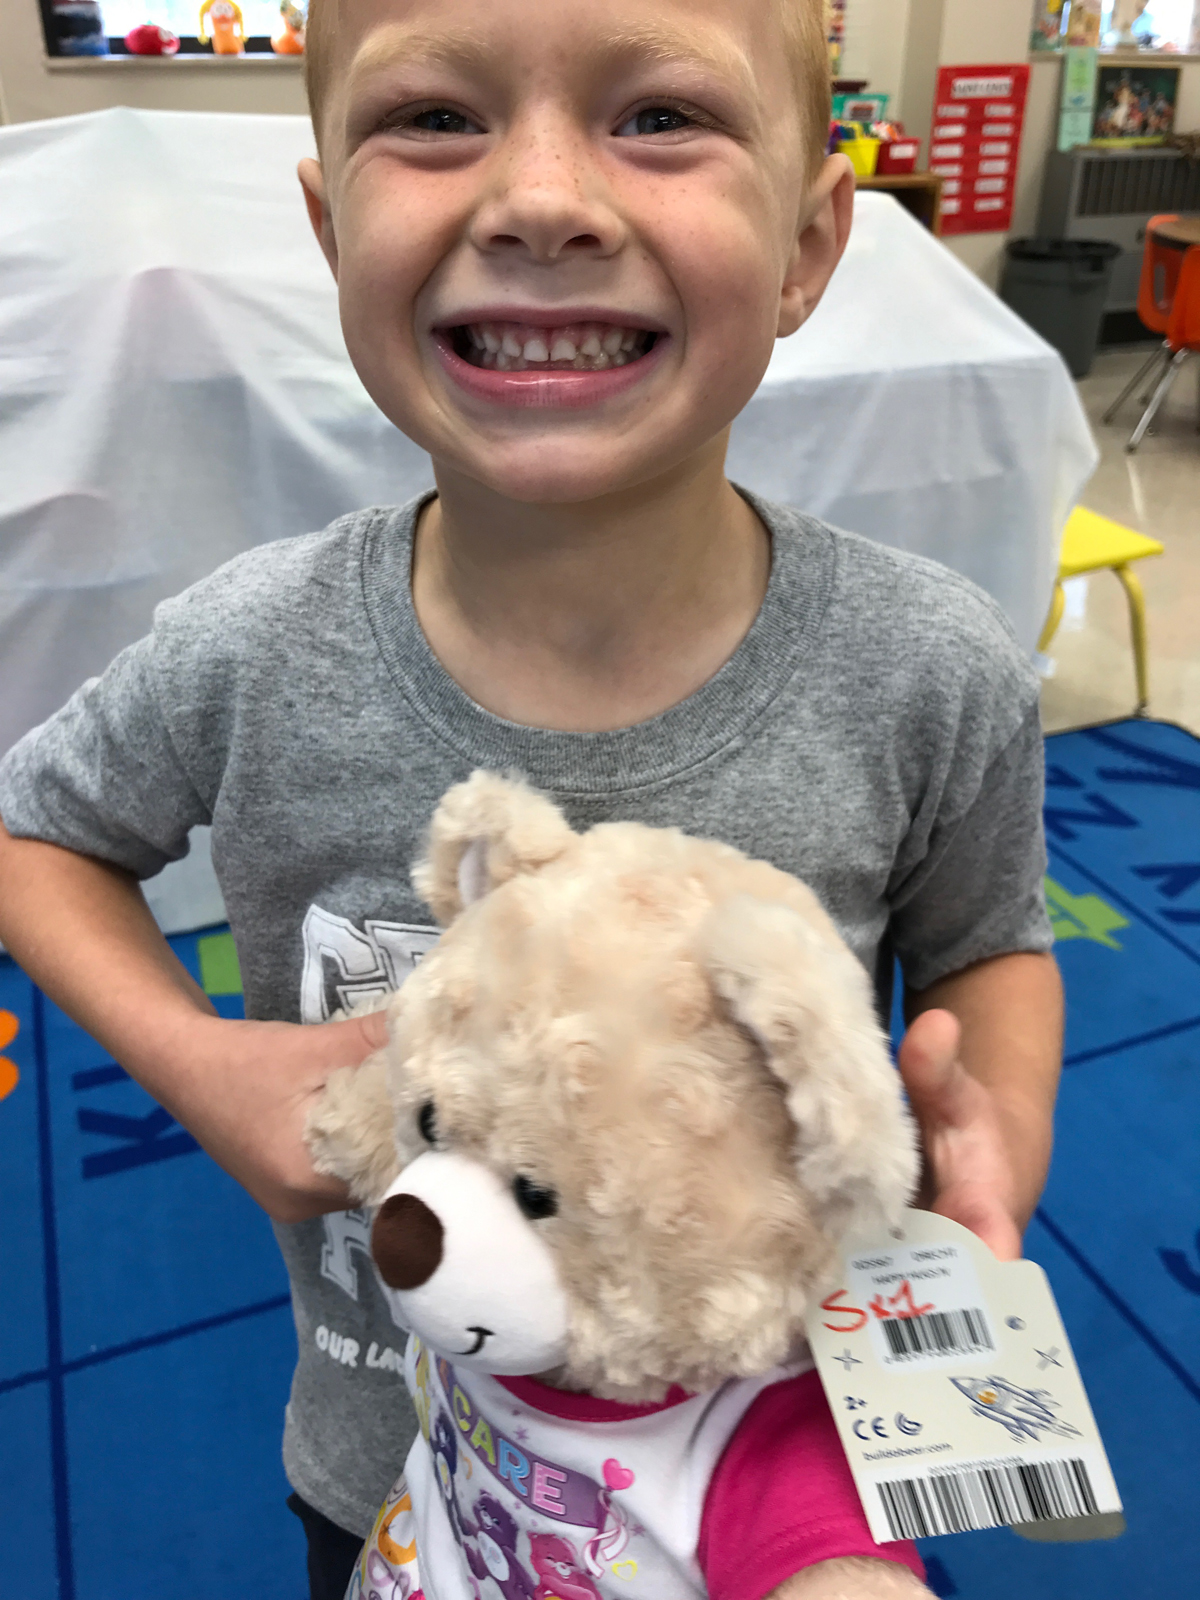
column 613, row 194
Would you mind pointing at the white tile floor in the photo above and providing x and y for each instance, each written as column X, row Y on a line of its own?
column 1156, row 491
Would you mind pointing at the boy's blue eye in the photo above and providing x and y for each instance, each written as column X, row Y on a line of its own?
column 656, row 119
column 441, row 119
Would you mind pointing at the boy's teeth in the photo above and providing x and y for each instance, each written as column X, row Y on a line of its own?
column 587, row 347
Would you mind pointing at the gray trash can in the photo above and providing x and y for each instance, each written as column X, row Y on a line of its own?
column 1059, row 287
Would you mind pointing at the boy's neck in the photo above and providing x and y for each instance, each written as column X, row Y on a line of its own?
column 589, row 616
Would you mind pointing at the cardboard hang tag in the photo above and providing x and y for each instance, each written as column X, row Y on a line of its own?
column 956, row 1396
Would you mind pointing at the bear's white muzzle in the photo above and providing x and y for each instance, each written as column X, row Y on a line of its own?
column 465, row 1270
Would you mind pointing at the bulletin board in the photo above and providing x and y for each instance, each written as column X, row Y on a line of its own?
column 978, row 112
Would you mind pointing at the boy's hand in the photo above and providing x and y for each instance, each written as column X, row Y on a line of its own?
column 245, row 1095
column 968, row 1176
column 981, row 1062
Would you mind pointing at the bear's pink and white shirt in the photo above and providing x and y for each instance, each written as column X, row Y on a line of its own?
column 515, row 1491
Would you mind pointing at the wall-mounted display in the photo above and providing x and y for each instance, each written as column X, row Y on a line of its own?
column 1134, row 105
column 1077, row 108
column 976, row 139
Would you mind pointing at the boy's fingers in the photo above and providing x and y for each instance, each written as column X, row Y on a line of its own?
column 939, row 1087
column 986, row 1218
column 350, row 1042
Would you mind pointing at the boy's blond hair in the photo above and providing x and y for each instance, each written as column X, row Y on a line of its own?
column 804, row 28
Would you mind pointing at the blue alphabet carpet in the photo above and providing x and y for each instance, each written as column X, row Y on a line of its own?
column 146, row 1342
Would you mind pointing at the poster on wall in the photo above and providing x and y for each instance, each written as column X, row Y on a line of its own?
column 1083, row 24
column 1077, row 109
column 1134, row 105
column 977, row 116
column 1046, row 33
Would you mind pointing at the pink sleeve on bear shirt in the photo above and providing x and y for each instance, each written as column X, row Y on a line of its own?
column 782, row 1498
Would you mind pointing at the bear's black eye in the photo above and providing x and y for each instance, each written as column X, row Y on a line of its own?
column 427, row 1122
column 533, row 1200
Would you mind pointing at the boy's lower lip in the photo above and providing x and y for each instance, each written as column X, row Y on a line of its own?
column 557, row 389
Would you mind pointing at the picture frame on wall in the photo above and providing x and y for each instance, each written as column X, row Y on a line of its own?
column 1134, row 105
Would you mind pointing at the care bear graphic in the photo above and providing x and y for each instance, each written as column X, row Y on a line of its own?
column 443, row 1442
column 557, row 1565
column 492, row 1553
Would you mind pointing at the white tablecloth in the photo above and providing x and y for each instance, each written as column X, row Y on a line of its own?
column 174, row 389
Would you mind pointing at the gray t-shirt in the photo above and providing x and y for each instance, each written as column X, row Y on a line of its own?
column 876, row 733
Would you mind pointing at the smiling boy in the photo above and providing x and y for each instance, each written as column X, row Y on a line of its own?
column 565, row 237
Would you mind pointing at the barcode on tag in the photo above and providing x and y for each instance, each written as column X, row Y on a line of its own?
column 937, row 1333
column 987, row 1497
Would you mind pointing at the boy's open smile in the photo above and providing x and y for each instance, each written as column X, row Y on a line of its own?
column 530, row 356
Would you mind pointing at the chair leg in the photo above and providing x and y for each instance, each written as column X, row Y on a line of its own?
column 1156, row 400
column 1057, row 601
column 1137, row 627
column 1163, row 353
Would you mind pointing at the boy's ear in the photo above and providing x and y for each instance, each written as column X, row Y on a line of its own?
column 805, row 999
column 312, row 181
column 820, row 241
column 484, row 832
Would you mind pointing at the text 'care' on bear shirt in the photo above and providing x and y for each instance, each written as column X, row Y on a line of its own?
column 875, row 733
column 515, row 1491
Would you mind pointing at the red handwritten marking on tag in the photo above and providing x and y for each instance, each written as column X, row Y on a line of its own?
column 859, row 1315
column 899, row 1304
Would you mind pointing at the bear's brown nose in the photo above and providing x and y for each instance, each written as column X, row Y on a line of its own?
column 406, row 1242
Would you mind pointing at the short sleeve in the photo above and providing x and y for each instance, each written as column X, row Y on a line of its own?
column 782, row 1498
column 978, row 890
column 103, row 775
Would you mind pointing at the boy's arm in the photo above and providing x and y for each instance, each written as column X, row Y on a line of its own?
column 980, row 1062
column 82, row 931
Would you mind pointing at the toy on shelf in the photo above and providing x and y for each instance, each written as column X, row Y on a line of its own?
column 289, row 41
column 148, row 39
column 74, row 28
column 228, row 28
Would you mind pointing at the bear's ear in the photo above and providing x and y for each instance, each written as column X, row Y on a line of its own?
column 803, row 996
column 484, row 832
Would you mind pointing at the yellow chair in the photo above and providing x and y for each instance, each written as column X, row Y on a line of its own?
column 1089, row 543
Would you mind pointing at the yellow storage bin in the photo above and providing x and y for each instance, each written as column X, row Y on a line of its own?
column 863, row 153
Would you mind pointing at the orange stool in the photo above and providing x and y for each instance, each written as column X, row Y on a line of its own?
column 1169, row 279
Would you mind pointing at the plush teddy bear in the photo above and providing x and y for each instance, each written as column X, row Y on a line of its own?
column 631, row 1104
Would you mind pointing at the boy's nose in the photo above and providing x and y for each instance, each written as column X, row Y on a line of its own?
column 406, row 1242
column 548, row 198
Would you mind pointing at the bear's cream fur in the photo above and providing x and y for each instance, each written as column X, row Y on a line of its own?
column 675, row 1040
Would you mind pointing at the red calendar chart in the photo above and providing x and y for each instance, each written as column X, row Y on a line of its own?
column 975, row 140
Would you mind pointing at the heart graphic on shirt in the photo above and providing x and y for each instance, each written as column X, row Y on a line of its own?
column 615, row 1475
column 625, row 1570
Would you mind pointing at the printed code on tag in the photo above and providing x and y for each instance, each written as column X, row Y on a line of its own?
column 987, row 1497
column 937, row 1333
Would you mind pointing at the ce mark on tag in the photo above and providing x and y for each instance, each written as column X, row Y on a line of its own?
column 903, row 1424
column 876, row 1426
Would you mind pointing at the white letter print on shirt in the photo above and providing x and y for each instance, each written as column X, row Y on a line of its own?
column 345, row 1232
column 344, row 966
